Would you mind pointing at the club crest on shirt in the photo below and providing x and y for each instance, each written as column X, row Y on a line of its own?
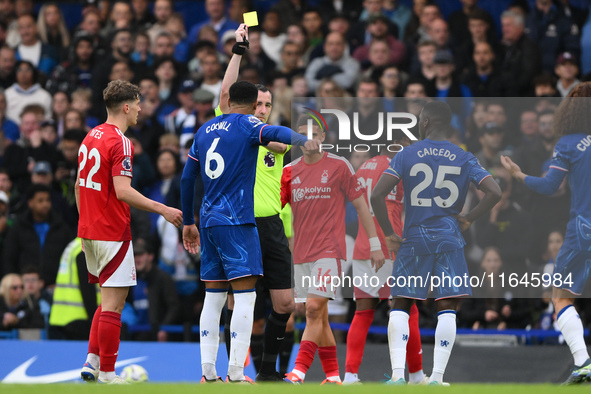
column 126, row 163
column 324, row 178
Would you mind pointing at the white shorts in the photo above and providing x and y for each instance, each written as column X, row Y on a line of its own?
column 314, row 279
column 110, row 263
column 367, row 283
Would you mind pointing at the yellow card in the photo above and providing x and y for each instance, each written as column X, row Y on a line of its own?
column 251, row 19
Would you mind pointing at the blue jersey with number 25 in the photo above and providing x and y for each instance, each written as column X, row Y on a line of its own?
column 227, row 148
column 436, row 176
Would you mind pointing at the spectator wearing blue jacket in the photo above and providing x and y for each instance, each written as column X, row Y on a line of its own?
column 554, row 31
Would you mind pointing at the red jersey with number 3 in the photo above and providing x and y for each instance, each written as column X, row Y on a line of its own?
column 368, row 175
column 104, row 153
column 319, row 193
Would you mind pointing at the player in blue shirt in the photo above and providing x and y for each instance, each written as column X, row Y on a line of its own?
column 436, row 175
column 224, row 152
column 572, row 157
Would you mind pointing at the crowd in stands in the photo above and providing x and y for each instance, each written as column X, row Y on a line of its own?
column 506, row 72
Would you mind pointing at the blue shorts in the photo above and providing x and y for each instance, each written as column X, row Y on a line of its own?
column 230, row 252
column 571, row 270
column 444, row 274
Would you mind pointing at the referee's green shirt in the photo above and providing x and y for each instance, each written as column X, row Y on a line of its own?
column 267, row 187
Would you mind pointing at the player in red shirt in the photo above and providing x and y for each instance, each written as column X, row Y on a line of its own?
column 286, row 186
column 368, row 296
column 321, row 182
column 103, row 195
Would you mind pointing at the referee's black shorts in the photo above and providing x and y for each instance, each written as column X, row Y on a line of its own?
column 277, row 266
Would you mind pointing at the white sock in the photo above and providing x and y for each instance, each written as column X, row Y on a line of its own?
column 398, row 332
column 299, row 374
column 445, row 336
column 240, row 331
column 335, row 378
column 350, row 377
column 571, row 327
column 416, row 377
column 107, row 376
column 209, row 324
column 208, row 369
column 236, row 372
column 94, row 360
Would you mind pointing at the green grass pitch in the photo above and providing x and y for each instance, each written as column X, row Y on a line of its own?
column 279, row 388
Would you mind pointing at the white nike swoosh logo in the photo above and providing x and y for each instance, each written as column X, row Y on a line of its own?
column 19, row 374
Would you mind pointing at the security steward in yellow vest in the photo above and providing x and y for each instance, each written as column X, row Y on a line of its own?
column 74, row 299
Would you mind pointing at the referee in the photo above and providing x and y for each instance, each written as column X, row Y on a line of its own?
column 277, row 265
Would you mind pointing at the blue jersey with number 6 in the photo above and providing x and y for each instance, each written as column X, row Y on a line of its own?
column 436, row 176
column 227, row 148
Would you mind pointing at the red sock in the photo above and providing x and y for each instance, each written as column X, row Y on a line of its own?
column 356, row 339
column 93, row 341
column 328, row 358
column 108, row 335
column 414, row 352
column 305, row 356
